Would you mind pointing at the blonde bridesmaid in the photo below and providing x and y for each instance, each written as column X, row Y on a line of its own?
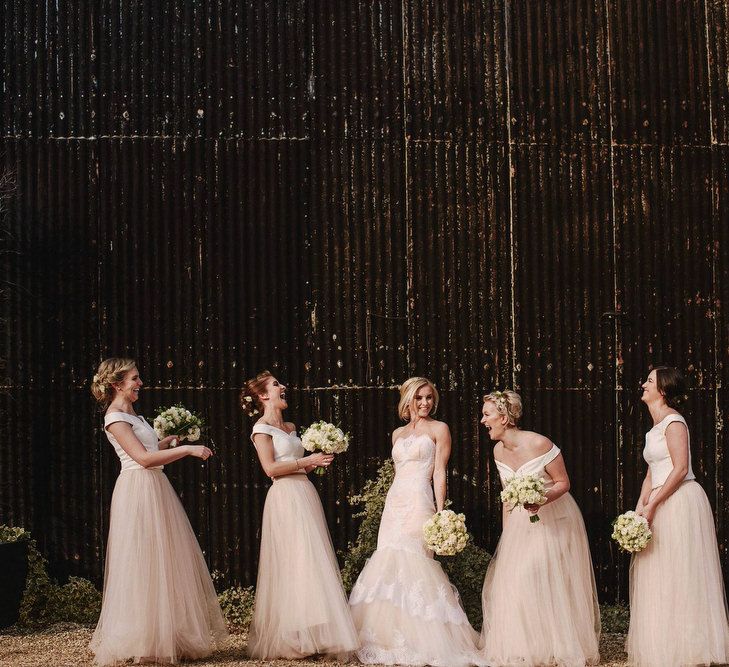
column 539, row 597
column 159, row 603
column 678, row 613
column 300, row 606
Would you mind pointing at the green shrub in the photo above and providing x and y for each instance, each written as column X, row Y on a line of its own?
column 372, row 499
column 237, row 606
column 77, row 601
column 44, row 601
column 615, row 618
column 466, row 570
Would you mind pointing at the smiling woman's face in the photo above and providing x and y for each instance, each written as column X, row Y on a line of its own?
column 423, row 401
column 128, row 388
column 275, row 394
column 650, row 392
column 493, row 420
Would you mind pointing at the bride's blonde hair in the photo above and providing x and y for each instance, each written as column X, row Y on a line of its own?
column 408, row 389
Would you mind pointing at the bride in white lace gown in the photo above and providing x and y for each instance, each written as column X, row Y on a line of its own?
column 405, row 609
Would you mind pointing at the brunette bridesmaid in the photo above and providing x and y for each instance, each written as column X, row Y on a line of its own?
column 678, row 613
column 300, row 606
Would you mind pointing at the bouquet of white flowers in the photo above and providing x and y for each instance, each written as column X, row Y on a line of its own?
column 523, row 490
column 324, row 437
column 631, row 531
column 445, row 533
column 178, row 421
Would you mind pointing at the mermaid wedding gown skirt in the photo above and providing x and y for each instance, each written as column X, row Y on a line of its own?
column 404, row 607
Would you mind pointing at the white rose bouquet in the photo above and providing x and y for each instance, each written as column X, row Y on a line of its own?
column 632, row 532
column 178, row 421
column 445, row 533
column 523, row 490
column 324, row 437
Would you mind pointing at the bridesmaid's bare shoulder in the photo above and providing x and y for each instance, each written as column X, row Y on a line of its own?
column 290, row 426
column 536, row 443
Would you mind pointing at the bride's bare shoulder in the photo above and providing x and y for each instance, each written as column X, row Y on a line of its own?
column 397, row 433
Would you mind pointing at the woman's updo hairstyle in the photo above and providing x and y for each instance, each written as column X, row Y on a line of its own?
column 508, row 403
column 110, row 372
column 671, row 384
column 408, row 389
column 250, row 395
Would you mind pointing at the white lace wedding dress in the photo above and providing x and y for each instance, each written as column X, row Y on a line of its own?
column 405, row 609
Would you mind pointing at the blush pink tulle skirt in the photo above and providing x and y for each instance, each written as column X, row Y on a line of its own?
column 300, row 606
column 158, row 600
column 539, row 597
column 678, row 612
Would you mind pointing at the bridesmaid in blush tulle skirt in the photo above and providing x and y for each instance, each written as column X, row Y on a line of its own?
column 678, row 613
column 300, row 607
column 539, row 596
column 159, row 603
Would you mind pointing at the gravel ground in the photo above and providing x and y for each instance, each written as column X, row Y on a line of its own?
column 66, row 646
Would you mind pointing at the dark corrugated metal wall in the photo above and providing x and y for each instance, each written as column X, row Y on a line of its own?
column 496, row 193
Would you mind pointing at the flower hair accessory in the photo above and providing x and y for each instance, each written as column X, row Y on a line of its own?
column 102, row 385
column 500, row 396
column 249, row 406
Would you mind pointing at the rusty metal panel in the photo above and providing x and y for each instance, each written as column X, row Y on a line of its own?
column 659, row 71
column 558, row 71
column 48, row 79
column 356, row 84
column 564, row 274
column 17, row 472
column 720, row 181
column 717, row 31
column 455, row 63
column 356, row 253
column 54, row 264
column 665, row 237
column 257, row 285
column 217, row 69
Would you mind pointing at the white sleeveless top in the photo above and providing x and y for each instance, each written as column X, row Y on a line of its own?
column 144, row 432
column 286, row 446
column 534, row 466
column 656, row 452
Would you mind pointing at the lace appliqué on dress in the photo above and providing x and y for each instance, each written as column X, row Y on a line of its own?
column 411, row 599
